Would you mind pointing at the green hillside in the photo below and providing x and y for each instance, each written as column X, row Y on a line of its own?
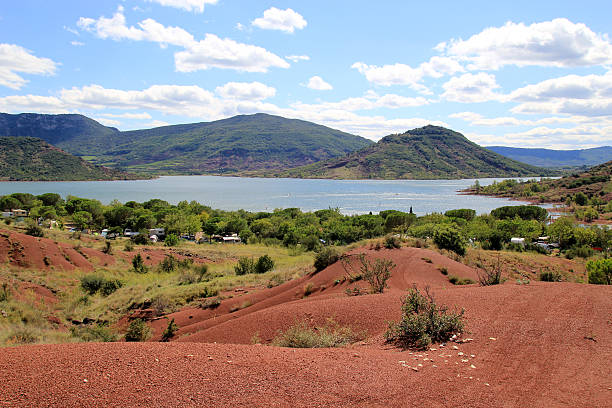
column 430, row 152
column 238, row 145
column 76, row 134
column 28, row 159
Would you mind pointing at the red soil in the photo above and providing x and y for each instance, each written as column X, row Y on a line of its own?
column 26, row 251
column 540, row 345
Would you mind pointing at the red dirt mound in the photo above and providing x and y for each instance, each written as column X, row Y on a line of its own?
column 414, row 267
column 41, row 253
column 537, row 345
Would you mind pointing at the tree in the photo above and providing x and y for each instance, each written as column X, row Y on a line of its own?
column 182, row 223
column 449, row 237
column 82, row 219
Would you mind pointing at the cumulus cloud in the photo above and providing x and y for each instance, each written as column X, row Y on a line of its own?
column 476, row 119
column 284, row 20
column 369, row 101
column 189, row 5
column 252, row 91
column 139, row 116
column 215, row 52
column 15, row 59
column 470, row 88
column 211, row 52
column 317, row 83
column 402, row 74
column 556, row 43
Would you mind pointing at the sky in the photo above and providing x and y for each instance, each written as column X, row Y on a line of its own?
column 519, row 73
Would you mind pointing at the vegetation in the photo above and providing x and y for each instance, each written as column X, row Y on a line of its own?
column 331, row 334
column 138, row 331
column 423, row 322
column 430, row 152
column 376, row 272
column 556, row 158
column 325, row 257
column 449, row 237
column 600, row 271
column 170, row 331
column 28, row 159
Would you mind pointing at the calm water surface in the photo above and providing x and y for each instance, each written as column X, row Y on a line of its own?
column 260, row 194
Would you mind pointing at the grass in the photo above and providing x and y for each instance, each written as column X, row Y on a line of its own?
column 181, row 287
column 331, row 334
column 456, row 280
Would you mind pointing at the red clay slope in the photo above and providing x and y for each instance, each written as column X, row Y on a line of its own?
column 552, row 348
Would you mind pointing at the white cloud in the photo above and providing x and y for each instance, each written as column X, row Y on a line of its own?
column 32, row 103
column 189, row 5
column 215, row 52
column 252, row 91
column 319, row 84
column 297, row 58
column 470, row 88
column 284, row 20
column 369, row 101
column 402, row 74
column 77, row 43
column 156, row 123
column 211, row 52
column 15, row 59
column 107, row 122
column 116, row 29
column 556, row 43
column 476, row 119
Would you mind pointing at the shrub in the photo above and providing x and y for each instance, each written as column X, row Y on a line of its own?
column 600, row 271
column 160, row 304
column 443, row 270
column 211, row 303
column 449, row 237
column 551, row 276
column 35, row 231
column 92, row 283
column 138, row 264
column 171, row 240
column 23, row 335
column 188, row 277
column 108, row 248
column 392, row 242
column 245, row 266
column 465, row 213
column 489, row 277
column 423, row 322
column 526, row 212
column 327, row 256
column 264, row 264
column 579, row 251
column 376, row 273
column 170, row 331
column 5, row 292
column 308, row 289
column 301, row 335
column 140, row 239
column 455, row 280
column 129, row 246
column 98, row 333
column 168, row 264
column 110, row 286
column 138, row 331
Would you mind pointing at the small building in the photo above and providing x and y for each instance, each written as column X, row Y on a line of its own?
column 519, row 241
column 232, row 239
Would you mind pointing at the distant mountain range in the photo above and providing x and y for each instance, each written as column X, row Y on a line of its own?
column 430, row 152
column 29, row 159
column 267, row 145
column 556, row 158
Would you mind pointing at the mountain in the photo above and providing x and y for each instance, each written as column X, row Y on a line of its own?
column 238, row 145
column 430, row 152
column 29, row 158
column 73, row 133
column 556, row 158
column 242, row 144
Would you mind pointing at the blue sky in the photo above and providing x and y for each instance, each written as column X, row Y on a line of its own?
column 521, row 73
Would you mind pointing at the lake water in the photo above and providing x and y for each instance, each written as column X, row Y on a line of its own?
column 266, row 194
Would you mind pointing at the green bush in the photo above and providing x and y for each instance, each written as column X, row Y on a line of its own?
column 579, row 252
column 325, row 257
column 245, row 266
column 92, row 283
column 423, row 322
column 551, row 276
column 465, row 213
column 526, row 212
column 449, row 237
column 170, row 331
column 600, row 271
column 138, row 264
column 264, row 264
column 140, row 239
column 392, row 242
column 301, row 335
column 138, row 331
column 98, row 333
column 110, row 286
column 455, row 280
column 35, row 231
column 168, row 264
column 129, row 246
column 171, row 240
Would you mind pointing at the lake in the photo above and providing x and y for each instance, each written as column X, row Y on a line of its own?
column 266, row 194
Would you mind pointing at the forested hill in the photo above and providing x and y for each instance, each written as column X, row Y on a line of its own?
column 237, row 145
column 76, row 134
column 556, row 158
column 430, row 152
column 29, row 159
